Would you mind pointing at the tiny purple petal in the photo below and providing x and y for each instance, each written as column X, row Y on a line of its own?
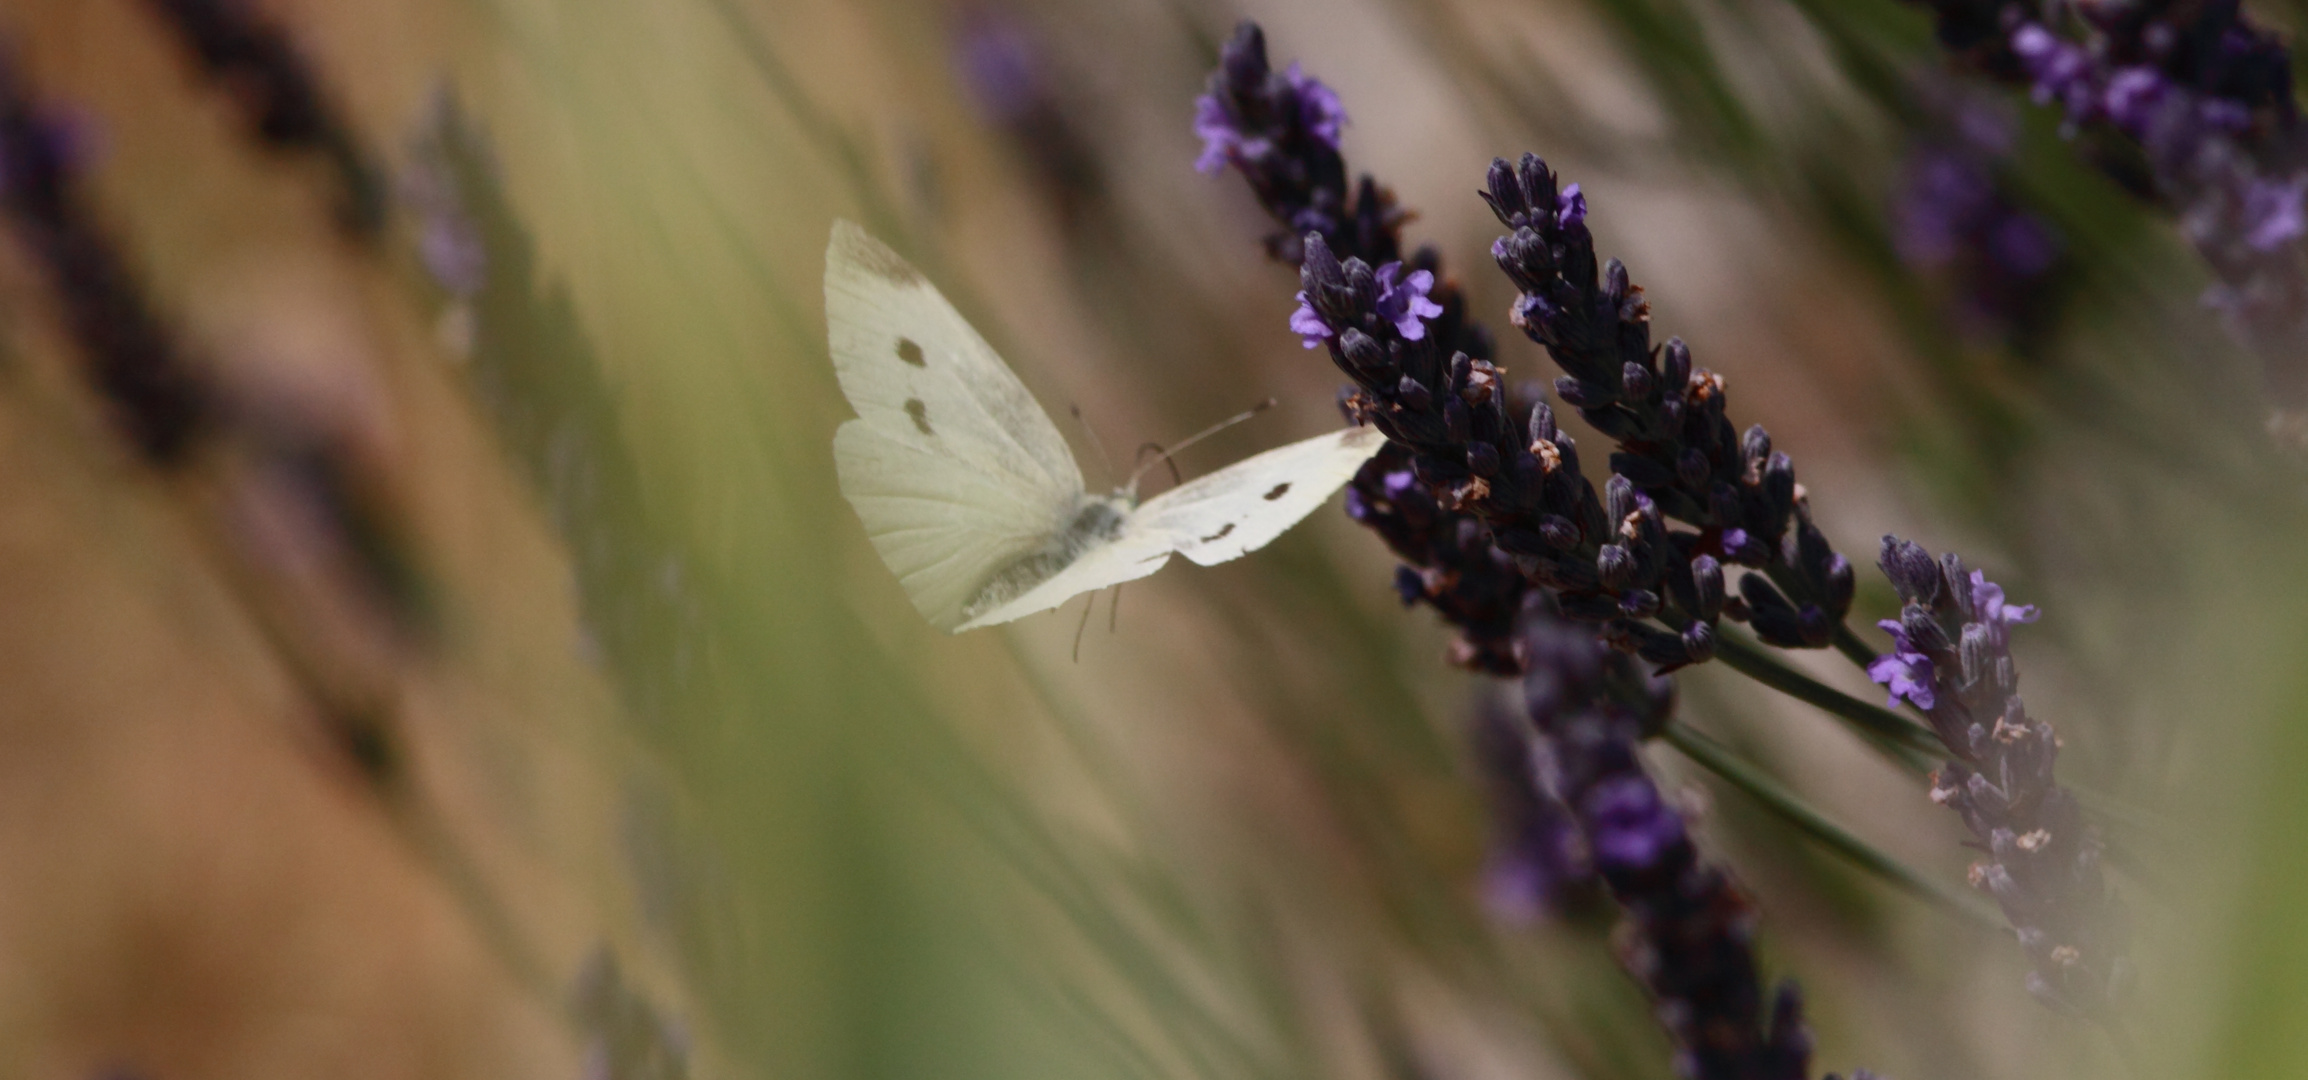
column 1397, row 483
column 1402, row 300
column 1308, row 324
column 1907, row 675
column 1219, row 136
column 2273, row 215
column 1570, row 207
column 1318, row 105
column 1987, row 603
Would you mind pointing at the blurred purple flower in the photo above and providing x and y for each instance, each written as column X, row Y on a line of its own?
column 1318, row 106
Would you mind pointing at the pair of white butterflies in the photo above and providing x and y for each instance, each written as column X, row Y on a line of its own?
column 968, row 490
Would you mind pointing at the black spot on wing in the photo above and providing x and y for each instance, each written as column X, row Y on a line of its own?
column 920, row 413
column 1279, row 491
column 911, row 353
column 1221, row 534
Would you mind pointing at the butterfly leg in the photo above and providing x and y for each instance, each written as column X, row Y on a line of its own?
column 1090, row 602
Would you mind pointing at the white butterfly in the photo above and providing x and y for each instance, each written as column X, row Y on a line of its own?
column 968, row 489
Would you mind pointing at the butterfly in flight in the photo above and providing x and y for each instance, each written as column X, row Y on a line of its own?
column 968, row 490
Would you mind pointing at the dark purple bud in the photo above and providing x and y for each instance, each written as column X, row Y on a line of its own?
column 1618, row 498
column 1615, row 565
column 1675, row 366
column 1840, row 586
column 1414, row 395
column 1456, row 422
column 1699, row 642
column 1923, row 630
column 1779, row 486
column 1243, row 57
column 1707, row 588
column 1813, row 626
column 1558, row 532
column 1755, row 446
column 1483, row 460
column 1538, row 183
column 1581, row 395
column 1319, row 270
column 1365, row 357
column 1656, row 645
column 1615, row 283
column 1911, row 569
column 1639, row 604
column 1505, row 195
column 1692, row 469
column 1956, row 583
column 1543, row 423
column 1636, row 381
column 1978, row 653
column 1409, row 585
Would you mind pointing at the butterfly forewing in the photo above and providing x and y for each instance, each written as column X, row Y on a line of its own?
column 954, row 470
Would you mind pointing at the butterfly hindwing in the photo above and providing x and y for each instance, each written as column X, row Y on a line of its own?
column 1243, row 507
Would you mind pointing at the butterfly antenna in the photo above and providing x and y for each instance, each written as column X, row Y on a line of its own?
column 1198, row 436
column 1095, row 443
column 1084, row 628
column 1114, row 611
column 1162, row 457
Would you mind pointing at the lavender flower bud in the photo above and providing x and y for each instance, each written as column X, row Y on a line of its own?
column 1615, row 566
column 1618, row 498
column 1707, row 588
column 1675, row 366
column 1699, row 642
column 1457, row 425
column 1483, row 460
column 1911, row 570
column 1639, row 604
column 1635, row 381
column 1558, row 532
column 1755, row 446
column 1580, row 394
column 1840, row 586
column 1692, row 468
column 1957, row 584
column 1366, row 357
column 1414, row 394
column 1923, row 630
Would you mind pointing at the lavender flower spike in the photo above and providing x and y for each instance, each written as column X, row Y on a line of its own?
column 1687, row 937
column 2043, row 857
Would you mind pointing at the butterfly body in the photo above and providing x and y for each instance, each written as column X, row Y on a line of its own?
column 970, row 494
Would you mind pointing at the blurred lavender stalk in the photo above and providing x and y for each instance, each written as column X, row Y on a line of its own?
column 2203, row 99
column 1004, row 66
column 1952, row 217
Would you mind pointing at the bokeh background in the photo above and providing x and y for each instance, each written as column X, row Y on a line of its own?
column 681, row 784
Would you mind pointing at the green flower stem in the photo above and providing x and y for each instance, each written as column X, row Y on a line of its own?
column 1905, row 740
column 1847, row 642
column 1775, row 797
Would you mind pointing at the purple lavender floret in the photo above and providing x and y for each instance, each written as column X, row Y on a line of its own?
column 2042, row 861
column 1904, row 670
column 1402, row 300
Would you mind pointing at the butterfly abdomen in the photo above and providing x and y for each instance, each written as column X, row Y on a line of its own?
column 1097, row 520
